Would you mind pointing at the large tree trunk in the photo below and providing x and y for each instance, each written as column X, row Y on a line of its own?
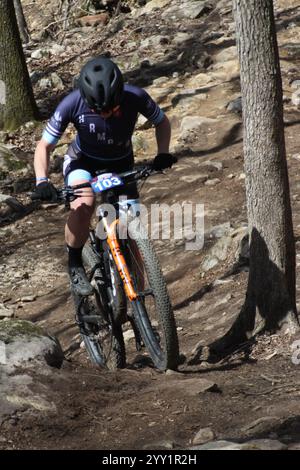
column 23, row 29
column 271, row 284
column 19, row 106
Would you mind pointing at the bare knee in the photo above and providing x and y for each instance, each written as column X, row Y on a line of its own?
column 84, row 204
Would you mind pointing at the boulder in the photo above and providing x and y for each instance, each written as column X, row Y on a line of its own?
column 255, row 444
column 25, row 342
column 201, row 133
column 229, row 241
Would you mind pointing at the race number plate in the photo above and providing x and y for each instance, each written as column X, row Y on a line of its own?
column 106, row 181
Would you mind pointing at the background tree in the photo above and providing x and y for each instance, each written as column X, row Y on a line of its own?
column 19, row 104
column 23, row 29
column 271, row 284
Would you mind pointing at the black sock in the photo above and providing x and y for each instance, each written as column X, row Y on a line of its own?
column 75, row 259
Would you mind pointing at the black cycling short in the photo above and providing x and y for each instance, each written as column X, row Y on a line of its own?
column 86, row 168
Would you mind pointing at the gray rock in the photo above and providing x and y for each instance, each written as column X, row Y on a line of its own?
column 16, row 394
column 152, row 5
column 213, row 163
column 223, row 300
column 218, row 231
column 28, row 298
column 45, row 83
column 212, row 182
column 191, row 124
column 263, row 444
column 203, row 435
column 40, row 53
column 257, row 444
column 180, row 38
column 160, row 81
column 6, row 312
column 209, row 263
column 260, row 424
column 235, row 106
column 24, row 342
column 128, row 335
column 154, row 41
column 296, row 98
column 199, row 178
column 57, row 49
column 57, row 81
column 194, row 9
column 295, row 84
column 159, row 445
column 218, row 445
column 217, row 253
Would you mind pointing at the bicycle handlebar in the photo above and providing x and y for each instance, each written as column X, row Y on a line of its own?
column 69, row 193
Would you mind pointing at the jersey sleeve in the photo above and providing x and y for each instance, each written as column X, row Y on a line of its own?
column 149, row 109
column 58, row 121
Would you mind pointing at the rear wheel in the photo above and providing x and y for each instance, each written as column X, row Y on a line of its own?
column 153, row 312
column 102, row 335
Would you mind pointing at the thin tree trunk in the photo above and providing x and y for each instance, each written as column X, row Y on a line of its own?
column 18, row 105
column 271, row 284
column 22, row 25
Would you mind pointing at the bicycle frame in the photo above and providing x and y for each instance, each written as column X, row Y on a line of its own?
column 119, row 259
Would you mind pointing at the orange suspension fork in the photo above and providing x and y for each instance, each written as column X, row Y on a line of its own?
column 119, row 259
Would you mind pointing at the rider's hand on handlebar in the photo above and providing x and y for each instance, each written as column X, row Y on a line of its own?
column 163, row 161
column 46, row 192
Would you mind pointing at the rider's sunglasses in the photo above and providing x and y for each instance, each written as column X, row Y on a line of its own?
column 106, row 113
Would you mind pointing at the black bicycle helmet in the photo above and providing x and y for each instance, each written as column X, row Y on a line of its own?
column 101, row 84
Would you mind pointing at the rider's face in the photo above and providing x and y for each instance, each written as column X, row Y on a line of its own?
column 110, row 112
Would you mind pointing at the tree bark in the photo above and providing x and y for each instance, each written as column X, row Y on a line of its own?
column 18, row 105
column 271, row 284
column 22, row 25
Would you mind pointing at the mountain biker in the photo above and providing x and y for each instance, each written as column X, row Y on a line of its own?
column 104, row 111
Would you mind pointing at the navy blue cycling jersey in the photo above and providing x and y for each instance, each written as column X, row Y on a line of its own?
column 97, row 137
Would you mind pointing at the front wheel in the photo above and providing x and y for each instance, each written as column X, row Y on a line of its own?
column 102, row 336
column 152, row 309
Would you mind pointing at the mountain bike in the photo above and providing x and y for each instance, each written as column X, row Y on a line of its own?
column 127, row 278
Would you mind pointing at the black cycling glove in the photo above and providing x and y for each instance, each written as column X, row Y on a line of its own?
column 163, row 161
column 46, row 192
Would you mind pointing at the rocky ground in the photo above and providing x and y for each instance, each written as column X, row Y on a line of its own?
column 184, row 54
